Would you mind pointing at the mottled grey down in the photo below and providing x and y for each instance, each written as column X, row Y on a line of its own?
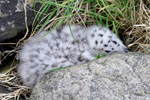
column 60, row 49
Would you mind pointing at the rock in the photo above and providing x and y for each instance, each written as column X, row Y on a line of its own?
column 12, row 18
column 3, row 89
column 115, row 77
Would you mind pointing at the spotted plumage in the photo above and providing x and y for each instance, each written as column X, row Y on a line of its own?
column 61, row 48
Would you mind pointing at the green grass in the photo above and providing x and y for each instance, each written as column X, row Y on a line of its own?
column 57, row 69
column 100, row 55
column 114, row 14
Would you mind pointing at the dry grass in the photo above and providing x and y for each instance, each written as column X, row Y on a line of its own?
column 139, row 33
column 133, row 19
column 11, row 81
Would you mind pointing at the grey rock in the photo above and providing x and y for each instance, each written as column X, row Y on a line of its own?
column 12, row 18
column 3, row 89
column 116, row 77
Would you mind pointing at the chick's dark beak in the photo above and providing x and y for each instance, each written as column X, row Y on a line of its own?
column 126, row 50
